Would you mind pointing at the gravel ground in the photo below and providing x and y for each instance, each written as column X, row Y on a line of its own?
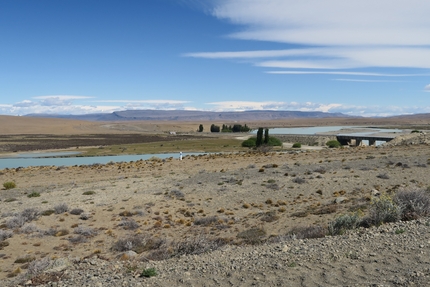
column 391, row 255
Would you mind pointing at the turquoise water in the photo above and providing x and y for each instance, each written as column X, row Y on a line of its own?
column 317, row 130
column 70, row 161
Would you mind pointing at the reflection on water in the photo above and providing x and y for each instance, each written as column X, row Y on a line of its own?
column 328, row 130
column 70, row 161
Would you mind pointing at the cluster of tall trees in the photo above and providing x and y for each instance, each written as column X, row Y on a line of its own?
column 227, row 129
column 235, row 129
column 262, row 139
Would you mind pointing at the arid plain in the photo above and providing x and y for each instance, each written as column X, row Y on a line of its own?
column 132, row 214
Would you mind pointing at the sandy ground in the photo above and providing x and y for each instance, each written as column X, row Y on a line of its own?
column 220, row 196
column 274, row 192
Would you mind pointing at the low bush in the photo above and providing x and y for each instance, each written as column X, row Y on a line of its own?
column 85, row 216
column 48, row 212
column 77, row 239
column 196, row 245
column 9, row 184
column 91, row 192
column 149, row 272
column 297, row 145
column 76, row 211
column 252, row 142
column 29, row 228
column 5, row 234
column 33, row 194
column 16, row 222
column 333, row 144
column 30, row 214
column 27, row 215
column 38, row 266
column 383, row 176
column 206, row 221
column 177, row 193
column 85, row 231
column 302, row 232
column 252, row 236
column 269, row 216
column 320, row 170
column 129, row 224
column 299, row 180
column 413, row 203
column 61, row 208
column 343, row 223
column 383, row 210
column 132, row 242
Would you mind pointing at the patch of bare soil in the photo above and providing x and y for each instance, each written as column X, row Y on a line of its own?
column 149, row 210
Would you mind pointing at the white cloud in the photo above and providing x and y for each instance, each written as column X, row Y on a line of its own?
column 343, row 73
column 66, row 105
column 29, row 107
column 352, row 110
column 25, row 103
column 333, row 34
column 149, row 104
column 330, row 22
column 62, row 97
column 248, row 105
column 331, row 57
column 367, row 81
column 173, row 102
column 427, row 88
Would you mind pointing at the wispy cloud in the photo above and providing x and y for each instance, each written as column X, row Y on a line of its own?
column 150, row 104
column 427, row 88
column 332, row 34
column 367, row 81
column 144, row 101
column 62, row 97
column 330, row 22
column 344, row 73
column 269, row 105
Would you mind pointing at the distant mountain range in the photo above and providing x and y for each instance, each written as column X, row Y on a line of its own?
column 181, row 115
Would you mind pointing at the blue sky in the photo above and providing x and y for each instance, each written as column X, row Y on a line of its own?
column 365, row 58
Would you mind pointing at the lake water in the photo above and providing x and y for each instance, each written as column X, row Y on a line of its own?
column 31, row 159
column 45, row 159
column 319, row 130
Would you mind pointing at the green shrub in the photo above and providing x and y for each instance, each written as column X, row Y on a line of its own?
column 343, row 223
column 251, row 142
column 297, row 145
column 415, row 131
column 384, row 210
column 33, row 194
column 149, row 272
column 274, row 141
column 91, row 192
column 333, row 144
column 48, row 212
column 9, row 185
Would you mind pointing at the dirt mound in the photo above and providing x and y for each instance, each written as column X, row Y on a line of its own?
column 410, row 139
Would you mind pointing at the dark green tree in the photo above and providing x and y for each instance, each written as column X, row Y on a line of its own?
column 266, row 136
column 215, row 129
column 259, row 141
column 200, row 128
